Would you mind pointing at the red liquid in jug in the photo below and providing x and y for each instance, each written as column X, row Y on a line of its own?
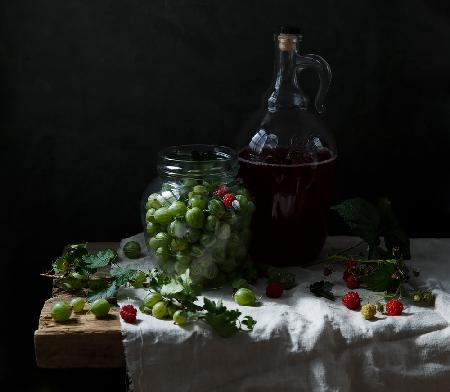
column 292, row 194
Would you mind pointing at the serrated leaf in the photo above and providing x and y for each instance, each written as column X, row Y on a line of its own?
column 381, row 278
column 249, row 322
column 362, row 217
column 322, row 289
column 100, row 259
column 223, row 323
column 171, row 289
column 122, row 275
column 61, row 265
column 109, row 292
column 390, row 228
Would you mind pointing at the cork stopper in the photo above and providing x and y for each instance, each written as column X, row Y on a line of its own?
column 287, row 42
column 288, row 36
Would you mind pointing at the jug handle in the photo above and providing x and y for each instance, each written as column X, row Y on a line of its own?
column 318, row 64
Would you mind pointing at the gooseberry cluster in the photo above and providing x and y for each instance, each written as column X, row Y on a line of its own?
column 201, row 226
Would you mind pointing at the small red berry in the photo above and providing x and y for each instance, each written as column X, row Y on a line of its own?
column 221, row 191
column 350, row 264
column 394, row 307
column 351, row 300
column 352, row 282
column 346, row 274
column 274, row 290
column 128, row 313
column 228, row 199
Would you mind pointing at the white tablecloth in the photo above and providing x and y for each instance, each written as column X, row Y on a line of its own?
column 301, row 342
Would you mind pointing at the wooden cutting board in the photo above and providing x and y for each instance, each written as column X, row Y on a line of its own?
column 83, row 341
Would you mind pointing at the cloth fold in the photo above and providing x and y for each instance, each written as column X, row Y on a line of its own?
column 300, row 342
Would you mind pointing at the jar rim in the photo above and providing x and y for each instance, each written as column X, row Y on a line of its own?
column 212, row 161
column 189, row 148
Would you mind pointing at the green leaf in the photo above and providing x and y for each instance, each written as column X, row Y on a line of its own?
column 171, row 289
column 381, row 278
column 61, row 265
column 249, row 322
column 100, row 259
column 322, row 289
column 390, row 228
column 109, row 292
column 223, row 321
column 362, row 217
column 122, row 275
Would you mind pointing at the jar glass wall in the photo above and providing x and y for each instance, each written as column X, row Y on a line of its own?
column 200, row 217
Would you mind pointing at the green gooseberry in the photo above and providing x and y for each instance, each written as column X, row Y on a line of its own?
column 150, row 215
column 152, row 299
column 216, row 208
column 159, row 240
column 100, row 308
column 198, row 201
column 192, row 235
column 211, row 223
column 132, row 250
column 178, row 229
column 200, row 190
column 162, row 255
column 244, row 297
column 153, row 201
column 195, row 218
column 178, row 209
column 61, row 311
column 77, row 304
column 178, row 244
column 153, row 229
column 163, row 216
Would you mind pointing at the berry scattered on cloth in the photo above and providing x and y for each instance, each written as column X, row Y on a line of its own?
column 228, row 200
column 128, row 313
column 352, row 282
column 368, row 311
column 352, row 300
column 394, row 307
column 274, row 290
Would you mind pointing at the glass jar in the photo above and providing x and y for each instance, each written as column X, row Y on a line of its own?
column 288, row 162
column 200, row 217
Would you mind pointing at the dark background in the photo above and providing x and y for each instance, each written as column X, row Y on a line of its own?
column 91, row 90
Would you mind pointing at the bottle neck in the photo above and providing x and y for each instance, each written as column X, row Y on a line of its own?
column 286, row 92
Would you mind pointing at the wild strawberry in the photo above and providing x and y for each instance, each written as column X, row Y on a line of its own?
column 394, row 307
column 351, row 300
column 350, row 264
column 368, row 311
column 346, row 274
column 228, row 199
column 221, row 191
column 274, row 290
column 352, row 282
column 128, row 313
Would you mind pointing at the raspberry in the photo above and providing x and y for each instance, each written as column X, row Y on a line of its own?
column 368, row 311
column 394, row 307
column 128, row 313
column 274, row 290
column 352, row 282
column 228, row 199
column 221, row 191
column 351, row 300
